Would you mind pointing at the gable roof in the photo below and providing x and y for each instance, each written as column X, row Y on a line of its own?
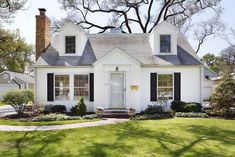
column 24, row 77
column 117, row 50
column 135, row 45
column 165, row 23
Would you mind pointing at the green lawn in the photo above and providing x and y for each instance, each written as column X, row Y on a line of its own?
column 173, row 137
column 17, row 122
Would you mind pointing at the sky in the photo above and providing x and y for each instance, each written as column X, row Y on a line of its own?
column 25, row 21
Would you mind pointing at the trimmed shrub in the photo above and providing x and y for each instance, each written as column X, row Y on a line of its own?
column 58, row 109
column 191, row 114
column 54, row 109
column 47, row 109
column 151, row 109
column 18, row 99
column 177, row 106
column 81, row 107
column 192, row 107
column 74, row 111
column 162, row 115
column 180, row 106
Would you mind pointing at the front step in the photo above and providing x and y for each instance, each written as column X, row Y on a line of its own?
column 115, row 113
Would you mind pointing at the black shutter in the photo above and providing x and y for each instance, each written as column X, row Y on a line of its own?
column 91, row 87
column 50, row 87
column 177, row 86
column 153, row 86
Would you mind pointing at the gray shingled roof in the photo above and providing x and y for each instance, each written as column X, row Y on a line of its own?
column 51, row 57
column 24, row 77
column 136, row 45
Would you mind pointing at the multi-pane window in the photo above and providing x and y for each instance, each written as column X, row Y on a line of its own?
column 165, row 86
column 70, row 44
column 81, row 87
column 165, row 43
column 61, row 87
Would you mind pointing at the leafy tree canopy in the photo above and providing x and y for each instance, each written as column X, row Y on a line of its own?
column 215, row 63
column 15, row 53
column 224, row 95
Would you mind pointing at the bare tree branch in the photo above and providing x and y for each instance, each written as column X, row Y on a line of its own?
column 9, row 7
column 145, row 14
column 206, row 29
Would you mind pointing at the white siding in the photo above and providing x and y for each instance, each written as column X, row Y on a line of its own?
column 163, row 28
column 135, row 75
column 125, row 64
column 41, row 84
column 190, row 83
column 207, row 89
column 70, row 30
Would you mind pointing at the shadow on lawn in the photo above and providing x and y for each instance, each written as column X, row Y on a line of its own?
column 114, row 141
column 201, row 135
column 33, row 144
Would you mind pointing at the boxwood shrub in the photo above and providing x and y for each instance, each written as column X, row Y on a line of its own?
column 177, row 106
column 180, row 106
column 193, row 107
column 54, row 109
column 152, row 109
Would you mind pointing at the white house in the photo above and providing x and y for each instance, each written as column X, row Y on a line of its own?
column 115, row 70
column 208, row 83
column 11, row 80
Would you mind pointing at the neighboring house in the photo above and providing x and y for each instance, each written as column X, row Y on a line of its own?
column 115, row 70
column 219, row 78
column 209, row 74
column 208, row 84
column 12, row 80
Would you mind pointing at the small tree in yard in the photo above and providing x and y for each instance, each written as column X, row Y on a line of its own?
column 224, row 95
column 81, row 107
column 18, row 99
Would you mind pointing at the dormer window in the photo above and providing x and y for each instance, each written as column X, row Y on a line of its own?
column 70, row 46
column 165, row 43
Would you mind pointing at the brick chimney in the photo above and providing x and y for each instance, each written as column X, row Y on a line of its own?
column 43, row 32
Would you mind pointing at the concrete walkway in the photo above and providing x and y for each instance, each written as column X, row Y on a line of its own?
column 62, row 127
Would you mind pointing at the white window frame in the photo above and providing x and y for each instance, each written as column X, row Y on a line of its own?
column 170, row 52
column 62, row 87
column 173, row 88
column 88, row 77
column 74, row 45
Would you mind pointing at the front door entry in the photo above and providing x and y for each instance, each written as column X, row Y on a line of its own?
column 117, row 90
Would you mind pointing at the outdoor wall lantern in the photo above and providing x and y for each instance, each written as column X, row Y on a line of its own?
column 117, row 69
column 134, row 87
